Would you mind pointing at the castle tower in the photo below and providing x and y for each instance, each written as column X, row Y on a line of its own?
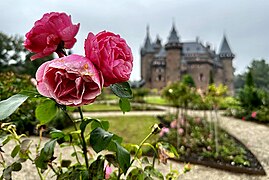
column 173, row 56
column 147, row 54
column 226, row 57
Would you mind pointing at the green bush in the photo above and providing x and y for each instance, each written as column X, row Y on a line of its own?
column 24, row 118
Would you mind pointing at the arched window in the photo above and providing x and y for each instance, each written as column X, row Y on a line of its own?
column 201, row 77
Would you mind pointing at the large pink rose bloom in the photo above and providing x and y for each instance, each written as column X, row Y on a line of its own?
column 53, row 30
column 71, row 80
column 111, row 54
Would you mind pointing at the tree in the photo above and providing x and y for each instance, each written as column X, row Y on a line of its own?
column 260, row 74
column 250, row 96
column 11, row 51
column 14, row 57
column 188, row 80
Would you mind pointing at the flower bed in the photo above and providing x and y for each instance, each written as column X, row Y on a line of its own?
column 195, row 142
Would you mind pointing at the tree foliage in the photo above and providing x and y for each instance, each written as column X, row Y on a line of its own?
column 14, row 57
column 260, row 73
column 250, row 96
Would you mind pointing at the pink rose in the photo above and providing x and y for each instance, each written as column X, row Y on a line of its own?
column 163, row 131
column 173, row 124
column 254, row 114
column 71, row 80
column 108, row 171
column 180, row 131
column 111, row 54
column 53, row 31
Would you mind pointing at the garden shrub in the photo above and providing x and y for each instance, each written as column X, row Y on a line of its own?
column 23, row 118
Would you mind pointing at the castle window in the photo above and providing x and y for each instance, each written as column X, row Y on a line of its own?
column 159, row 77
column 201, row 77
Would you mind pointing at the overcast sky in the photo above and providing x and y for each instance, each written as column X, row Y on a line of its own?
column 245, row 22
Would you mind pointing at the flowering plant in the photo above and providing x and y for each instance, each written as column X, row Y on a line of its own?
column 73, row 81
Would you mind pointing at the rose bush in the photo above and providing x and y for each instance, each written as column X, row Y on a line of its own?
column 111, row 54
column 51, row 31
column 71, row 80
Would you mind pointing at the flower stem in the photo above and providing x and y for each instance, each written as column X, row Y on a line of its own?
column 140, row 145
column 84, row 145
column 76, row 153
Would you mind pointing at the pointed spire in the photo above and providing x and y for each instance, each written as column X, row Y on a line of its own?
column 173, row 39
column 157, row 44
column 147, row 46
column 225, row 50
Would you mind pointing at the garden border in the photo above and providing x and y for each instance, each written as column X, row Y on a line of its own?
column 225, row 166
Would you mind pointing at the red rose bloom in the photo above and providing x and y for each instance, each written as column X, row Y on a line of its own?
column 52, row 30
column 111, row 55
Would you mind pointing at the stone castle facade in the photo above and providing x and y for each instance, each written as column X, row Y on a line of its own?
column 163, row 64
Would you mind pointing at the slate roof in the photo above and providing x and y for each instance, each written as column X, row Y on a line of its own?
column 225, row 50
column 193, row 48
column 173, row 37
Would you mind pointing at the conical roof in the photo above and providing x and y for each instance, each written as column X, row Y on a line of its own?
column 173, row 40
column 173, row 37
column 225, row 50
column 148, row 47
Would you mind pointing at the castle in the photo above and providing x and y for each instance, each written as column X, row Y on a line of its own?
column 163, row 64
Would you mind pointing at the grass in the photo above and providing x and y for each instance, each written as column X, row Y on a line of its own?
column 132, row 129
column 101, row 107
column 156, row 100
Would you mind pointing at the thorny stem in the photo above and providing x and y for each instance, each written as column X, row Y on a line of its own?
column 84, row 145
column 67, row 115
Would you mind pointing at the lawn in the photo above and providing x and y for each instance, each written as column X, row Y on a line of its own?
column 101, row 107
column 156, row 100
column 133, row 129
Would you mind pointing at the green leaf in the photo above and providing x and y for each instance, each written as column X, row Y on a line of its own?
column 15, row 151
column 96, row 169
column 25, row 145
column 84, row 124
column 153, row 172
column 125, row 105
column 46, row 155
column 60, row 136
column 7, row 173
column 65, row 163
column 10, row 105
column 46, row 111
column 100, row 139
column 123, row 156
column 122, row 90
column 136, row 173
column 30, row 93
column 102, row 124
column 56, row 134
column 16, row 166
column 4, row 139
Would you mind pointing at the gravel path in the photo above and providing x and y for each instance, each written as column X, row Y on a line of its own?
column 254, row 136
